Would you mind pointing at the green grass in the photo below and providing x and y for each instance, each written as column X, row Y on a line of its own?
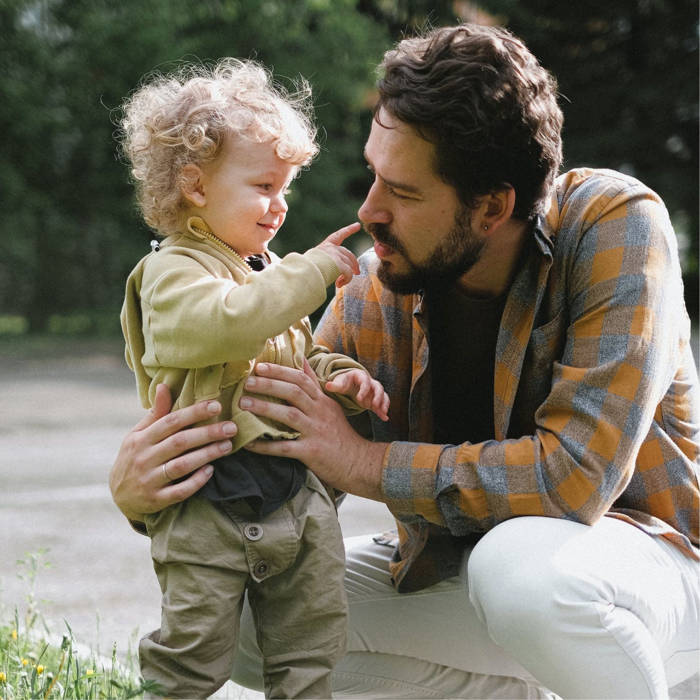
column 32, row 667
column 33, row 664
column 55, row 347
column 87, row 323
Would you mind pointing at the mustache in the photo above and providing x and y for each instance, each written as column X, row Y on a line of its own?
column 381, row 233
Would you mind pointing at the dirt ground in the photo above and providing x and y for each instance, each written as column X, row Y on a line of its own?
column 61, row 423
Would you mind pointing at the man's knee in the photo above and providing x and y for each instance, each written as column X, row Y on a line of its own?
column 513, row 582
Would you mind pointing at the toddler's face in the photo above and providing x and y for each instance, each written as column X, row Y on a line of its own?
column 244, row 192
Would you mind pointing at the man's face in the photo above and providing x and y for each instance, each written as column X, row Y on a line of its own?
column 423, row 235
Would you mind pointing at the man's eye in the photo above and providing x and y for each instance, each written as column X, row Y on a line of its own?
column 394, row 193
column 265, row 186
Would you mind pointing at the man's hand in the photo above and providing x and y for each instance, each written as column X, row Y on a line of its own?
column 344, row 259
column 327, row 444
column 367, row 392
column 161, row 449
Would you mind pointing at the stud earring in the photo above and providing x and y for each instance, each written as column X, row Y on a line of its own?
column 486, row 227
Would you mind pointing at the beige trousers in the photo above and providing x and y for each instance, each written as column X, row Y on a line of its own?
column 290, row 563
column 543, row 607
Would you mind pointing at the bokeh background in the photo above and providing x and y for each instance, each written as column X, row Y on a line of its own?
column 69, row 230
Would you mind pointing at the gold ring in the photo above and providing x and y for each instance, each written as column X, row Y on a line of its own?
column 165, row 472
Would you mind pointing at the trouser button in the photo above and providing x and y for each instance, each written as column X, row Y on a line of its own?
column 261, row 569
column 253, row 532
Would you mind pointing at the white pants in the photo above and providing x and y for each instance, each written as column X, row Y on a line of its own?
column 590, row 612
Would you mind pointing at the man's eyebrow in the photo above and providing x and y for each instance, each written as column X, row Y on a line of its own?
column 393, row 183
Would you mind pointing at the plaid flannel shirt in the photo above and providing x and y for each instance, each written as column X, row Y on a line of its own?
column 596, row 395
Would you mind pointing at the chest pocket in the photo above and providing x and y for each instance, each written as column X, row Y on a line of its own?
column 545, row 347
column 546, row 343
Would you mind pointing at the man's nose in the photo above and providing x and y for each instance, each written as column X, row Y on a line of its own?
column 374, row 209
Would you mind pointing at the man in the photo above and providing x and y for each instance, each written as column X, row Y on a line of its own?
column 541, row 455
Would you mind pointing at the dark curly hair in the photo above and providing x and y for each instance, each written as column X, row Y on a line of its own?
column 486, row 103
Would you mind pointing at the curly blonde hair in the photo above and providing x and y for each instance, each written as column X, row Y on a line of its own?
column 173, row 120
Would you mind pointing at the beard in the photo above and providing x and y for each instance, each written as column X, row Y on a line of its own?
column 454, row 255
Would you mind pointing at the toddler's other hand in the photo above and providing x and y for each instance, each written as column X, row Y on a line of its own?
column 344, row 259
column 367, row 392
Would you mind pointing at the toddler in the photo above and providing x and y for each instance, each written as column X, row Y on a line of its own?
column 213, row 152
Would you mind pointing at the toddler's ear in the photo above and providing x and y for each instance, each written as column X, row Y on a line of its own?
column 192, row 185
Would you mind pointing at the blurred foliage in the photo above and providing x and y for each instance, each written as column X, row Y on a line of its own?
column 628, row 75
column 70, row 232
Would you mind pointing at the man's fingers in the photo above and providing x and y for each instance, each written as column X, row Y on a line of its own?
column 161, row 407
column 177, row 420
column 176, row 493
column 297, row 389
column 308, row 371
column 179, row 464
column 291, row 413
column 337, row 237
column 163, row 401
column 279, row 448
column 270, row 379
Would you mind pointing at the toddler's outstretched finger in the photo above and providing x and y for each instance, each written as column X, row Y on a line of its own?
column 337, row 237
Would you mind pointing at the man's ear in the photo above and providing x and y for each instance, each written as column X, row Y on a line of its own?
column 495, row 209
column 192, row 185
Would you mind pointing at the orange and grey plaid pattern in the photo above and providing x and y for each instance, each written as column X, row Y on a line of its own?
column 596, row 394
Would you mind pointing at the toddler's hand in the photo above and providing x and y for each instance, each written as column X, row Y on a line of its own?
column 344, row 259
column 368, row 392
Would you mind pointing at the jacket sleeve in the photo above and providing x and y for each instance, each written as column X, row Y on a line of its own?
column 327, row 366
column 197, row 318
column 625, row 309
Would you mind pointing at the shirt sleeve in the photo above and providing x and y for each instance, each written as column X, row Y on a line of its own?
column 625, row 304
column 328, row 365
column 198, row 319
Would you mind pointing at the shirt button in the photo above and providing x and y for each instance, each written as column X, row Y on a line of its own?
column 261, row 569
column 253, row 532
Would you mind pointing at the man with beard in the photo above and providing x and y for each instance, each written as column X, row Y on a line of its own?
column 541, row 457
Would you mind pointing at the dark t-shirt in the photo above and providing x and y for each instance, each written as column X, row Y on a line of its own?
column 462, row 332
column 264, row 482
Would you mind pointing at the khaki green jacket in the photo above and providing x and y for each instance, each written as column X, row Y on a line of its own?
column 197, row 318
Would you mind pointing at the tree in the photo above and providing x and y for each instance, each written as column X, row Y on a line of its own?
column 405, row 17
column 628, row 76
column 70, row 232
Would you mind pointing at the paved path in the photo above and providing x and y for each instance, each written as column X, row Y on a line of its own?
column 60, row 426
